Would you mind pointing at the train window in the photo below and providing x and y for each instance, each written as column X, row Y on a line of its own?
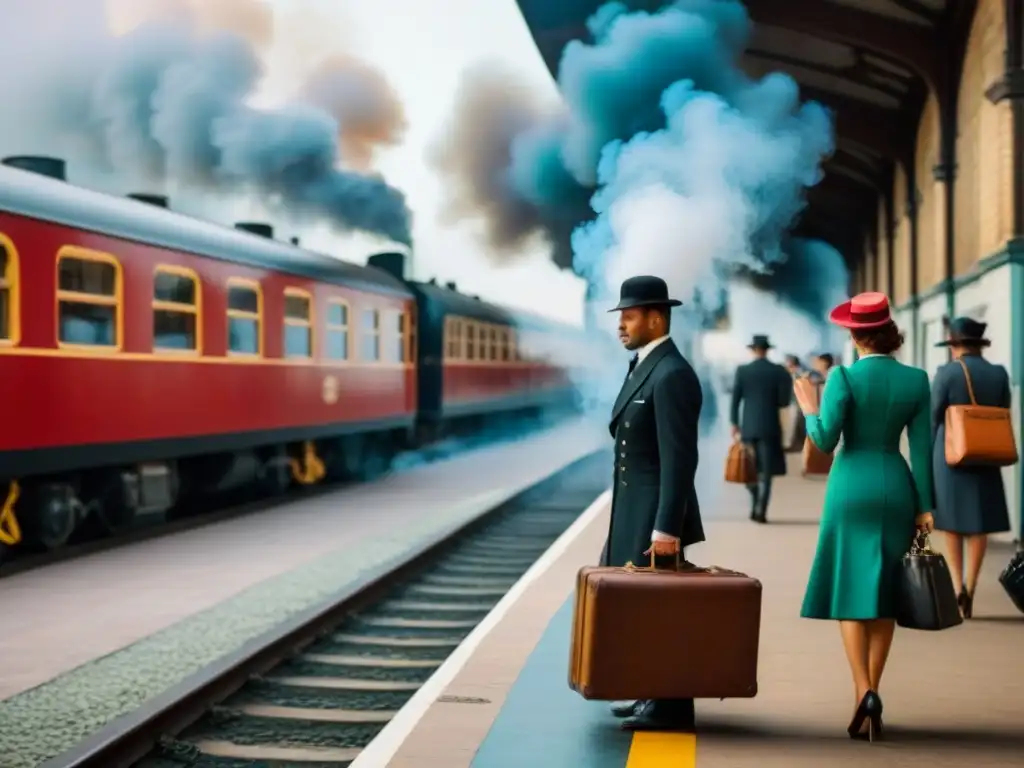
column 492, row 348
column 452, row 338
column 471, row 334
column 337, row 330
column 394, row 337
column 503, row 344
column 409, row 331
column 88, row 299
column 9, row 315
column 245, row 317
column 177, row 303
column 369, row 335
column 298, row 323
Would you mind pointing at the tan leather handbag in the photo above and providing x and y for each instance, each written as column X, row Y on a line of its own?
column 979, row 435
column 740, row 466
column 815, row 460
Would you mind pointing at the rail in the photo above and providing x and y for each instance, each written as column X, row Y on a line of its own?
column 186, row 721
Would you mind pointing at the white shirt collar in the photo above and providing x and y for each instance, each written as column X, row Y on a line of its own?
column 873, row 354
column 645, row 350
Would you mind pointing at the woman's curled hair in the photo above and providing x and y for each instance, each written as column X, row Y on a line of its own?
column 883, row 340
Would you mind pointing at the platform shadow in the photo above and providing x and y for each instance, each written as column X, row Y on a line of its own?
column 998, row 619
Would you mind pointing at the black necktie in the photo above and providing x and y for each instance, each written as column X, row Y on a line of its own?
column 632, row 364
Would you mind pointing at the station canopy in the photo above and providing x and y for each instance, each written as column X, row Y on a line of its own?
column 870, row 61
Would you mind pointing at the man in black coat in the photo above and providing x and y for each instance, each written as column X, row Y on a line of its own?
column 654, row 502
column 761, row 389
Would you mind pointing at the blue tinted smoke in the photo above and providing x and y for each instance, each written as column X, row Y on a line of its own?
column 662, row 122
column 166, row 103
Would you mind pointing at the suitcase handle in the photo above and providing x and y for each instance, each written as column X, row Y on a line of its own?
column 630, row 567
column 681, row 567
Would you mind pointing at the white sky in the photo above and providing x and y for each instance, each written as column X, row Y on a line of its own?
column 424, row 48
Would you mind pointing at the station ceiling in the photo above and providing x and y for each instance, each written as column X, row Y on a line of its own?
column 870, row 61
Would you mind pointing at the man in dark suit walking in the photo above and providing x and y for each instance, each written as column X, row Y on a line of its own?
column 761, row 389
column 654, row 502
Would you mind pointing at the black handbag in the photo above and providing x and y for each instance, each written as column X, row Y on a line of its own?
column 927, row 599
column 1012, row 579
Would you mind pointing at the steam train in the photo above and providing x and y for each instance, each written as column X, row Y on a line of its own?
column 150, row 359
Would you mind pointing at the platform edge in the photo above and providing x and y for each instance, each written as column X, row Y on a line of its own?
column 385, row 746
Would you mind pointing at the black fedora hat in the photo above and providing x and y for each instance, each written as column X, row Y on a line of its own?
column 760, row 342
column 644, row 291
column 964, row 330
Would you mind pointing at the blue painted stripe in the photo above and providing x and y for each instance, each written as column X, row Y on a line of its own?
column 544, row 724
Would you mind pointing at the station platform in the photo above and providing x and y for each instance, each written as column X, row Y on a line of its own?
column 952, row 698
column 88, row 640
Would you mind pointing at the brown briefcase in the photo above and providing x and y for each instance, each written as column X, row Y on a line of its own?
column 740, row 465
column 815, row 460
column 639, row 633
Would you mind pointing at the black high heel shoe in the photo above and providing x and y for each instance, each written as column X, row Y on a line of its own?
column 870, row 710
column 966, row 601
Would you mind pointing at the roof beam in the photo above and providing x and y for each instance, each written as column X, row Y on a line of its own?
column 920, row 10
column 878, row 130
column 845, row 235
column 874, row 175
column 857, row 74
column 914, row 46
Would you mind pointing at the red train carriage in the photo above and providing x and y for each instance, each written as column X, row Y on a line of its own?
column 134, row 340
column 479, row 361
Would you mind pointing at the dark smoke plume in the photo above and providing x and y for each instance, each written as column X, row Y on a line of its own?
column 362, row 102
column 168, row 102
column 495, row 118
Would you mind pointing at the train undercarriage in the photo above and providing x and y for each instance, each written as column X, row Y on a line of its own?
column 47, row 513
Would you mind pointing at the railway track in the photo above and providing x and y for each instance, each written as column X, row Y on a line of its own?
column 316, row 692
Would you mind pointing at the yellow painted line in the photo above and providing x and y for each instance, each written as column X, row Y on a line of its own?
column 662, row 750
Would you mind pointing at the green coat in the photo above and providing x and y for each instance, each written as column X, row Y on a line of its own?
column 872, row 496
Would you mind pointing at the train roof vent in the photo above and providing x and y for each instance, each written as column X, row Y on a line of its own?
column 256, row 228
column 160, row 201
column 53, row 167
column 294, row 241
column 391, row 262
column 451, row 286
column 432, row 281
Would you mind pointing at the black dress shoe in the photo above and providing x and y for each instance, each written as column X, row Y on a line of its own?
column 625, row 708
column 655, row 716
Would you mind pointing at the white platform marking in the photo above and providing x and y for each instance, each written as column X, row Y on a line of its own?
column 387, row 743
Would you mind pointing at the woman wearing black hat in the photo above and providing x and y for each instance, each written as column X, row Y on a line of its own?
column 969, row 501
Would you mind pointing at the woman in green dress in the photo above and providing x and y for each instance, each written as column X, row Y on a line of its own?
column 873, row 500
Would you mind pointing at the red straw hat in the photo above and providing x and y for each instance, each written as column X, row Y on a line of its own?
column 865, row 310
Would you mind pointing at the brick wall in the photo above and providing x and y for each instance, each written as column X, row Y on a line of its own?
column 984, row 185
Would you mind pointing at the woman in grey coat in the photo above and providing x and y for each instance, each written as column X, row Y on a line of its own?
column 970, row 502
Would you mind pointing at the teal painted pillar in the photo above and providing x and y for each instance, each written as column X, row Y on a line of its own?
column 1011, row 87
column 1016, row 266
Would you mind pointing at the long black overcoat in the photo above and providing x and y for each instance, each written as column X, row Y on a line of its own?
column 761, row 389
column 968, row 500
column 655, row 425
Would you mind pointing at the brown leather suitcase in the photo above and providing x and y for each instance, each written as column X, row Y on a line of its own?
column 815, row 460
column 740, row 465
column 639, row 633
